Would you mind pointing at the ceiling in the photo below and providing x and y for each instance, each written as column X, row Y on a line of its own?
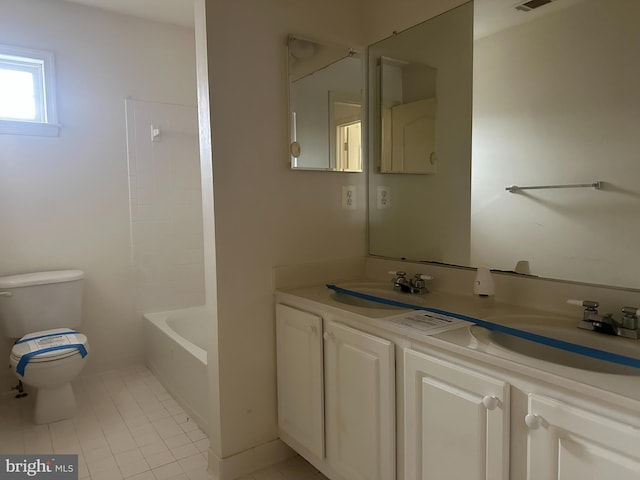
column 177, row 12
column 490, row 15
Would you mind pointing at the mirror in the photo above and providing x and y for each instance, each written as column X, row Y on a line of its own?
column 424, row 216
column 325, row 105
column 555, row 104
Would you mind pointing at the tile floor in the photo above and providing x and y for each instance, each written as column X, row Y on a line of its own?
column 127, row 427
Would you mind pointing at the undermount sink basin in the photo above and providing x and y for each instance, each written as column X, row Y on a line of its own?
column 377, row 291
column 559, row 329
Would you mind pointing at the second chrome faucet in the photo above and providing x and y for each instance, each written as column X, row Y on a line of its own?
column 592, row 320
column 417, row 284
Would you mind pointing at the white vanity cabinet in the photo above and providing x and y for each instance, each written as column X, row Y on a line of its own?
column 300, row 377
column 567, row 443
column 360, row 403
column 336, row 395
column 452, row 412
column 456, row 421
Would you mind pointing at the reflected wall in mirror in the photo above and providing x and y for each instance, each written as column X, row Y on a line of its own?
column 422, row 216
column 555, row 102
column 325, row 104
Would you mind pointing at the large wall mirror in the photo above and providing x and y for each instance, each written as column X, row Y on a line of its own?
column 556, row 105
column 422, row 212
column 325, row 106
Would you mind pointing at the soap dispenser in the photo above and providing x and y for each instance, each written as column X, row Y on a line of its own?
column 483, row 285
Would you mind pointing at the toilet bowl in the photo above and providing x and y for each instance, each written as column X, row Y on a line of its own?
column 41, row 310
column 48, row 361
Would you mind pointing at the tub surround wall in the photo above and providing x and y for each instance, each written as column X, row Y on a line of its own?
column 65, row 199
column 166, row 205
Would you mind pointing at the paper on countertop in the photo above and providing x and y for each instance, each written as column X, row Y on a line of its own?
column 427, row 323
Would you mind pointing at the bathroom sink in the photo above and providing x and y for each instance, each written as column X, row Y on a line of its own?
column 559, row 329
column 373, row 291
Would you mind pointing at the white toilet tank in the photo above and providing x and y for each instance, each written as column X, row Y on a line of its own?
column 30, row 302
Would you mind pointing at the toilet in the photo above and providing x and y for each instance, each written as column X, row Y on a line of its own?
column 40, row 311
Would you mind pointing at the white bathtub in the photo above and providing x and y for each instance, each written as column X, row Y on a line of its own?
column 177, row 355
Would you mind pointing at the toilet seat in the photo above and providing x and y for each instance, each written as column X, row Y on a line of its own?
column 47, row 346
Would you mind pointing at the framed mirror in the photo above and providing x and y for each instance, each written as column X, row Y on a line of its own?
column 325, row 106
column 555, row 107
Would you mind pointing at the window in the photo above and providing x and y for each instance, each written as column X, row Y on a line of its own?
column 27, row 105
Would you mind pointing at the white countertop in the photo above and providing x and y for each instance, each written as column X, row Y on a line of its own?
column 623, row 390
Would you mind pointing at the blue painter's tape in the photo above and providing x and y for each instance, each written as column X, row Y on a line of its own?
column 24, row 340
column 28, row 356
column 533, row 337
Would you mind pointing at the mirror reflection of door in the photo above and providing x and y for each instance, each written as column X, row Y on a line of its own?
column 349, row 156
column 409, row 131
column 408, row 117
column 345, row 132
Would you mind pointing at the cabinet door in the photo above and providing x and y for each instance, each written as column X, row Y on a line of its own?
column 568, row 443
column 360, row 403
column 456, row 422
column 300, row 386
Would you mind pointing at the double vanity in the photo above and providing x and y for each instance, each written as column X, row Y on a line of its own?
column 364, row 392
column 459, row 110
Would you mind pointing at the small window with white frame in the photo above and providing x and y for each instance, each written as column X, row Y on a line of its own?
column 27, row 92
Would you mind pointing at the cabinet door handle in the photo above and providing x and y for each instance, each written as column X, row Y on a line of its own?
column 490, row 402
column 327, row 336
column 533, row 421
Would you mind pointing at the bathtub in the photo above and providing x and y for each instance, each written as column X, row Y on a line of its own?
column 176, row 353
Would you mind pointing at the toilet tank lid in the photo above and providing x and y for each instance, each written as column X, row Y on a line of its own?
column 40, row 278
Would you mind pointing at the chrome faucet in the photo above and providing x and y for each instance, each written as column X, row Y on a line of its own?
column 401, row 283
column 592, row 320
column 414, row 285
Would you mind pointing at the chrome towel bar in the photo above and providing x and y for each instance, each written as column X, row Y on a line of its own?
column 597, row 185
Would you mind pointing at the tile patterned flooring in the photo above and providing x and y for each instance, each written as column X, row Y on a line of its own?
column 127, row 427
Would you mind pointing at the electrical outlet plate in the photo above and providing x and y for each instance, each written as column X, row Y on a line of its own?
column 383, row 197
column 349, row 197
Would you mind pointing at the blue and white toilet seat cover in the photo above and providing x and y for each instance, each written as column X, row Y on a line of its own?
column 34, row 346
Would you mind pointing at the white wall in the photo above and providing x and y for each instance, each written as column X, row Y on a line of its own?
column 65, row 200
column 574, row 123
column 265, row 214
column 383, row 17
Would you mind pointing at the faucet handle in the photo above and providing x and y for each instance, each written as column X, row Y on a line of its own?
column 630, row 317
column 587, row 304
column 422, row 276
column 400, row 282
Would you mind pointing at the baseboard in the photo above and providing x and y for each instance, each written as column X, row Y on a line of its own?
column 249, row 461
